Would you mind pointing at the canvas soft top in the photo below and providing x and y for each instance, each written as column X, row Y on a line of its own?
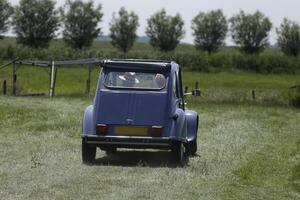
column 138, row 64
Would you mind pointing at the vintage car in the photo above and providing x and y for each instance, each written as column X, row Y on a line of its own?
column 139, row 104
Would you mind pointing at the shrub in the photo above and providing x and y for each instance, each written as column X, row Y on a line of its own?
column 294, row 96
column 267, row 62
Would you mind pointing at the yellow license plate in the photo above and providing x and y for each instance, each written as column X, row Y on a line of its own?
column 131, row 130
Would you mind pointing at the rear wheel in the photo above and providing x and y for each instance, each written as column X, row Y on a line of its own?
column 88, row 153
column 178, row 151
column 191, row 147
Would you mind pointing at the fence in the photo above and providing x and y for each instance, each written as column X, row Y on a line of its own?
column 51, row 67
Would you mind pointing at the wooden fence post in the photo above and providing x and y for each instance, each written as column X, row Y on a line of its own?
column 253, row 94
column 88, row 82
column 186, row 89
column 55, row 75
column 4, row 87
column 14, row 79
column 52, row 74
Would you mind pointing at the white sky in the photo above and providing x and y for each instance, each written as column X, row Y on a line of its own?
column 276, row 10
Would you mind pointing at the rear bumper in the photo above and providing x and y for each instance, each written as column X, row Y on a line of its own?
column 129, row 141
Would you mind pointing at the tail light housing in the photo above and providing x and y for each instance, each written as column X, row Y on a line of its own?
column 101, row 129
column 156, row 131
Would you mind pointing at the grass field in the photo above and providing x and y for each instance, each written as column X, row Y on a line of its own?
column 223, row 87
column 248, row 149
column 245, row 152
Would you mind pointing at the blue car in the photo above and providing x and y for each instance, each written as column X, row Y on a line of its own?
column 139, row 104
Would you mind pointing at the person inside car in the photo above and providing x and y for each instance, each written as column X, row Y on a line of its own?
column 129, row 79
column 159, row 81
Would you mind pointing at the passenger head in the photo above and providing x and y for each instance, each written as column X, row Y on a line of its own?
column 160, row 80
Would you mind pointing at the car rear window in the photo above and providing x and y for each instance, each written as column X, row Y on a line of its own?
column 135, row 80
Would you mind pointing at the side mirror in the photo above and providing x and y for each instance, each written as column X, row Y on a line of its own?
column 196, row 93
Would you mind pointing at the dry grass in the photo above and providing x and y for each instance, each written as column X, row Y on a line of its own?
column 246, row 152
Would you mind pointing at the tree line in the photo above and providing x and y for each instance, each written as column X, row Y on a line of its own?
column 35, row 23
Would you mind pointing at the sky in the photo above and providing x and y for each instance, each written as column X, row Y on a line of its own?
column 276, row 10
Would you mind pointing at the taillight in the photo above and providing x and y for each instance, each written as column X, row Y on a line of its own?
column 156, row 131
column 101, row 129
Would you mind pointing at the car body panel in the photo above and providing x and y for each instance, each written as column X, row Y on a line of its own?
column 117, row 107
column 192, row 124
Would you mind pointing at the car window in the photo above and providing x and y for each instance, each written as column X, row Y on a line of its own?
column 175, row 85
column 135, row 80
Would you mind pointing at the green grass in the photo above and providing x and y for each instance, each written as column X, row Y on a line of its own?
column 227, row 87
column 248, row 149
column 220, row 87
column 245, row 152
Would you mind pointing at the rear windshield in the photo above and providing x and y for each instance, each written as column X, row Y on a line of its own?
column 135, row 80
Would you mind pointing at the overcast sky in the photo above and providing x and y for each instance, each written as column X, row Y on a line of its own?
column 275, row 9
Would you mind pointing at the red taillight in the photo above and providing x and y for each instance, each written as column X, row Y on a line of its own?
column 101, row 129
column 156, row 131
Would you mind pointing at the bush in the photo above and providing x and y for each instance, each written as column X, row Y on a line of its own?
column 294, row 96
column 267, row 62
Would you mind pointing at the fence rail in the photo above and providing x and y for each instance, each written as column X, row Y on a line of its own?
column 53, row 66
column 87, row 61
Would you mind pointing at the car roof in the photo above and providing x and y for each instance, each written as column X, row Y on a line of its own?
column 139, row 64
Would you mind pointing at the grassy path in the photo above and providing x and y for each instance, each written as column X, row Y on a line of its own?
column 246, row 152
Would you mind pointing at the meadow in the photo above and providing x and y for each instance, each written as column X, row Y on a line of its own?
column 248, row 149
column 221, row 87
column 245, row 152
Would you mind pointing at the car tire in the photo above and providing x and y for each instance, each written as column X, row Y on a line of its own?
column 179, row 154
column 191, row 147
column 88, row 153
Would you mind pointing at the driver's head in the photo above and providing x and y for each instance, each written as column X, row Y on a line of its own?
column 129, row 76
column 129, row 79
column 160, row 80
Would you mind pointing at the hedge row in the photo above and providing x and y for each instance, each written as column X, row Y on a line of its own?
column 193, row 60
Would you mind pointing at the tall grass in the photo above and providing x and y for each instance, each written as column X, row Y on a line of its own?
column 221, row 87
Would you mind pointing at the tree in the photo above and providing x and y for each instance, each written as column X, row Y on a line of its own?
column 35, row 22
column 210, row 30
column 250, row 31
column 289, row 37
column 123, row 30
column 5, row 13
column 81, row 21
column 164, row 31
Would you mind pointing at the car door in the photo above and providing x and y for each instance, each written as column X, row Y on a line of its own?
column 178, row 90
column 181, row 125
